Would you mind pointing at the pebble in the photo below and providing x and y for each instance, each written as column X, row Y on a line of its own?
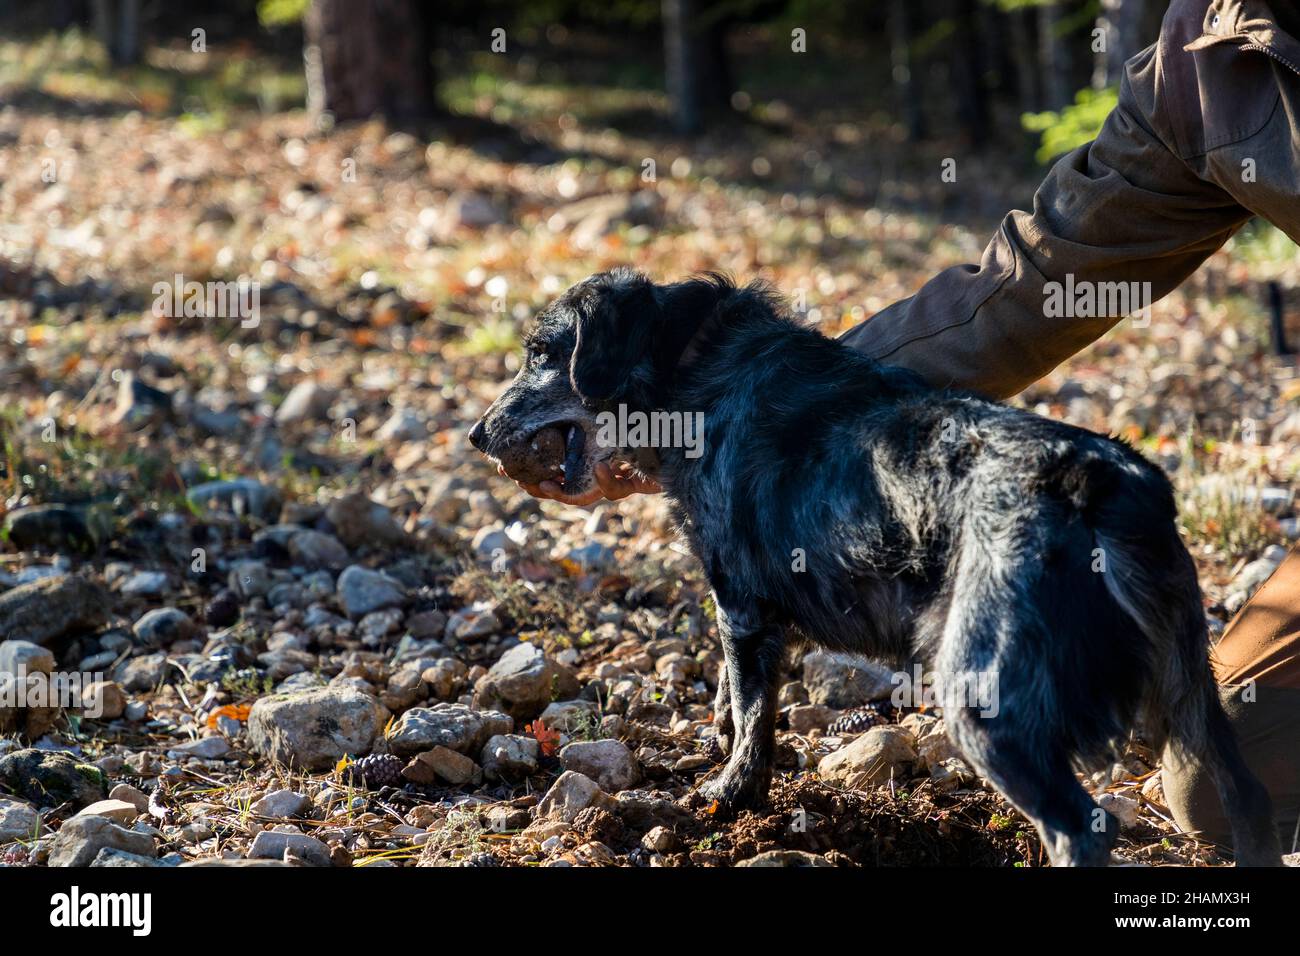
column 272, row 845
column 145, row 584
column 80, row 840
column 510, row 757
column 362, row 591
column 873, row 758
column 163, row 626
column 18, row 820
column 523, row 681
column 314, row 729
column 608, row 762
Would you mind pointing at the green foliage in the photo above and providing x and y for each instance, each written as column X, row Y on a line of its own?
column 1073, row 126
column 279, row 13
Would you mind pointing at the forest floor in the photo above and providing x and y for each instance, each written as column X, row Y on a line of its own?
column 273, row 541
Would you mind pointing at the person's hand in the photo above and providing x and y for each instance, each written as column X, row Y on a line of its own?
column 612, row 483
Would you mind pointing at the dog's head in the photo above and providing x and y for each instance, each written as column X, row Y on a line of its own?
column 613, row 338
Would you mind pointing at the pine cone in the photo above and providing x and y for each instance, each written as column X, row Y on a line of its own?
column 377, row 771
column 855, row 721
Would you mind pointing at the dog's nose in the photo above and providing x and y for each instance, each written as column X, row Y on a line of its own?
column 476, row 434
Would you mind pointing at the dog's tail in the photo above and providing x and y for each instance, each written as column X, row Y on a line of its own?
column 1152, row 578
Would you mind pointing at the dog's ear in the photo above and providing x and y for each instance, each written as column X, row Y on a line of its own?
column 618, row 319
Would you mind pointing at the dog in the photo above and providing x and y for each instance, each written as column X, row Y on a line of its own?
column 847, row 505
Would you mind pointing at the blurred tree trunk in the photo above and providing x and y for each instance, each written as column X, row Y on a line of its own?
column 696, row 66
column 117, row 24
column 1054, row 55
column 1123, row 24
column 968, row 71
column 1023, row 51
column 370, row 57
column 906, row 88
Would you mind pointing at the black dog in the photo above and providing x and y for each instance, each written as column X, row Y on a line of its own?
column 848, row 505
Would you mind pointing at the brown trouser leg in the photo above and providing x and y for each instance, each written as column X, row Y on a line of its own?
column 1258, row 661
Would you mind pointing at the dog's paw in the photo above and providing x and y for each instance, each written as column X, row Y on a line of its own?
column 726, row 795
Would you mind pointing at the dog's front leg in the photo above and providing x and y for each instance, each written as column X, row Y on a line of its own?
column 754, row 649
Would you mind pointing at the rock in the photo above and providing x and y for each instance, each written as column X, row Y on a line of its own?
column 315, row 549
column 805, row 718
column 445, row 678
column 119, row 811
column 785, row 858
column 80, row 840
column 1248, row 580
column 453, row 726
column 570, row 795
column 473, row 623
column 205, row 748
column 145, row 584
column 608, row 762
column 838, row 683
column 931, row 736
column 250, row 579
column 279, row 804
column 441, row 763
column 50, row 778
column 950, row 774
column 223, row 609
column 44, row 610
column 306, row 401
column 163, row 626
column 1122, row 808
column 34, row 710
column 18, row 820
column 592, row 556
column 570, row 715
column 110, row 856
column 103, row 700
column 875, row 757
column 141, row 674
column 643, row 809
column 470, row 209
column 659, row 840
column 361, row 591
column 24, row 657
column 510, row 757
column 404, row 424
column 272, row 845
column 314, row 729
column 523, row 681
column 360, row 522
column 49, row 527
column 129, row 794
column 241, row 496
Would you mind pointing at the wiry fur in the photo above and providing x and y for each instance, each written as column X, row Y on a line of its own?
column 936, row 527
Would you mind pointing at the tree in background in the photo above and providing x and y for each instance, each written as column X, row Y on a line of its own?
column 117, row 24
column 370, row 57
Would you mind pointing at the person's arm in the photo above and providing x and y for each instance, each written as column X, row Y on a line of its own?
column 1123, row 208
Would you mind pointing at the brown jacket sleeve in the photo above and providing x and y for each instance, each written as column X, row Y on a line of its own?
column 1135, row 205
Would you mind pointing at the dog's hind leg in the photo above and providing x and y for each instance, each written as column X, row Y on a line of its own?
column 1022, row 761
column 754, row 649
